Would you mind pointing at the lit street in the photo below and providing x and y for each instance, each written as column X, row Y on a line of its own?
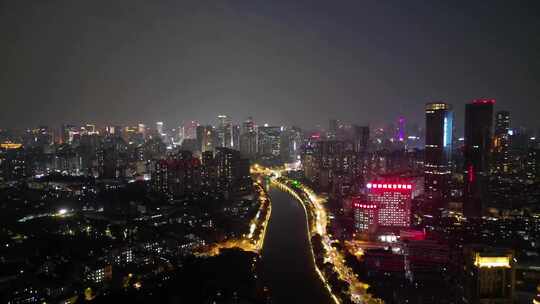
column 315, row 205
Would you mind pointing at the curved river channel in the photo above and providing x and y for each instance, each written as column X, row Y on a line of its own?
column 288, row 268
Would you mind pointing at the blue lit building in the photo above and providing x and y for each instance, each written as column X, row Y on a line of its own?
column 437, row 172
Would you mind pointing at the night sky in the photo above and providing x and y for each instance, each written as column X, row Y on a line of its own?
column 291, row 62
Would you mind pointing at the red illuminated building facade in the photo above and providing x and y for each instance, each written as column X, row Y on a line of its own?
column 365, row 215
column 393, row 203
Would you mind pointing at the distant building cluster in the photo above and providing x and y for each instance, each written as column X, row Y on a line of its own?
column 420, row 204
column 125, row 206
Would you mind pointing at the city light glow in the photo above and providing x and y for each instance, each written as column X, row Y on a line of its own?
column 491, row 262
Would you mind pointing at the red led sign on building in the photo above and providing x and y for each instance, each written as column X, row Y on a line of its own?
column 389, row 186
column 484, row 101
column 365, row 206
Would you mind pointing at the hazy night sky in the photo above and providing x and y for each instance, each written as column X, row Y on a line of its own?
column 281, row 62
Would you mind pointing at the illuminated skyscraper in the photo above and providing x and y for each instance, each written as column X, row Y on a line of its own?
column 205, row 138
column 225, row 159
column 132, row 136
column 232, row 170
column 532, row 165
column 291, row 140
column 360, row 136
column 501, row 143
column 269, row 140
column 235, row 141
column 89, row 129
column 178, row 175
column 68, row 133
column 437, row 164
column 142, row 130
column 110, row 130
column 248, row 144
column 478, row 138
column 159, row 127
column 400, row 136
column 39, row 137
column 248, row 125
column 111, row 158
column 333, row 128
column 248, row 139
column 393, row 202
column 189, row 130
column 224, row 132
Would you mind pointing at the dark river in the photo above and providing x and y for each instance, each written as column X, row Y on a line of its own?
column 288, row 268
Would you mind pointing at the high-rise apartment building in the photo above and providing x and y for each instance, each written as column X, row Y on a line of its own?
column 235, row 131
column 269, row 140
column 142, row 129
column 477, row 150
column 532, row 165
column 232, row 170
column 248, row 144
column 400, row 132
column 360, row 137
column 69, row 132
column 501, row 144
column 224, row 132
column 159, row 128
column 365, row 215
column 333, row 128
column 205, row 138
column 248, row 125
column 178, row 175
column 189, row 130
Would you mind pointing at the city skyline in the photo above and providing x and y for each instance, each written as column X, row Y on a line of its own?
column 400, row 125
column 270, row 152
